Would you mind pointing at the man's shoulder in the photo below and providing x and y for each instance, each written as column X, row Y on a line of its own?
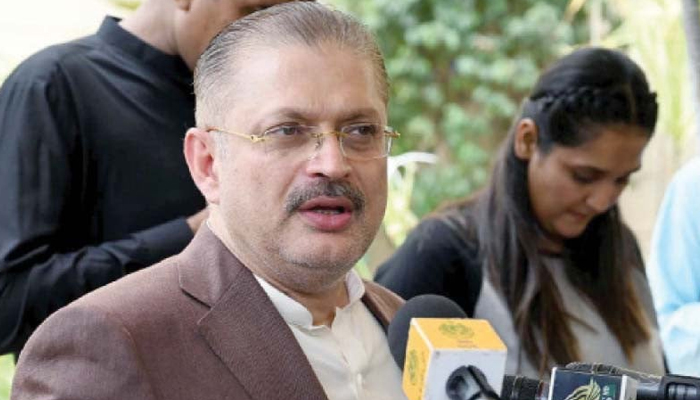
column 153, row 290
column 50, row 62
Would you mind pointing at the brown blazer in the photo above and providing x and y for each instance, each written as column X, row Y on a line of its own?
column 195, row 326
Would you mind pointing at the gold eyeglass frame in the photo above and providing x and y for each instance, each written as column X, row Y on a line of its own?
column 388, row 132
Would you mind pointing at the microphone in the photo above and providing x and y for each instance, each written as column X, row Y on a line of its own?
column 516, row 387
column 650, row 387
column 443, row 354
column 566, row 384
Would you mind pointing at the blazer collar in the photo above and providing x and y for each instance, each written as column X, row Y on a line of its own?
column 242, row 327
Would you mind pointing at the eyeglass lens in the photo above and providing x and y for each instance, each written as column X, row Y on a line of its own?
column 362, row 141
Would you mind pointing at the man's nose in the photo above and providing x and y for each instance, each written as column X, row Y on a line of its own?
column 328, row 159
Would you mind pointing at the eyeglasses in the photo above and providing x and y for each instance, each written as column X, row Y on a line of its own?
column 357, row 141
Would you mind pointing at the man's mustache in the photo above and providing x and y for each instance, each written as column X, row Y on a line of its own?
column 301, row 195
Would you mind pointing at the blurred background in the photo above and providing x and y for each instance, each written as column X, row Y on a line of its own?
column 459, row 70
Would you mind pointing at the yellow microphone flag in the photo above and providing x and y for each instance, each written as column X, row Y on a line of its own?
column 438, row 346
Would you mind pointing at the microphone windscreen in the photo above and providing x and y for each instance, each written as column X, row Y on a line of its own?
column 423, row 306
column 520, row 388
column 611, row 369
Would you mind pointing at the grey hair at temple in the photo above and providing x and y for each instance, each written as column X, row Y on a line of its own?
column 295, row 23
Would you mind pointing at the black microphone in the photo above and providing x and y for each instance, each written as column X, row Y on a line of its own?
column 423, row 306
column 517, row 387
column 647, row 386
column 650, row 387
column 443, row 354
column 569, row 384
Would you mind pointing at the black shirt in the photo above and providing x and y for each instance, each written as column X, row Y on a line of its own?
column 93, row 182
column 435, row 259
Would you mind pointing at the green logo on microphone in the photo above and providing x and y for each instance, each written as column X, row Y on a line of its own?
column 456, row 330
column 412, row 366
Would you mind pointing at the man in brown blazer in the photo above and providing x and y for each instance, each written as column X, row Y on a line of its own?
column 290, row 152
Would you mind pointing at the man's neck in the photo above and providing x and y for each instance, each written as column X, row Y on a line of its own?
column 322, row 306
column 152, row 23
column 320, row 303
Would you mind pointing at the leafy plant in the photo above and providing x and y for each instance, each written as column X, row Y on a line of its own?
column 399, row 218
column 6, row 373
column 459, row 69
column 127, row 4
column 661, row 52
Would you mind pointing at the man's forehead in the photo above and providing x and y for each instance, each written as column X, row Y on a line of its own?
column 264, row 3
column 300, row 112
column 274, row 84
column 260, row 63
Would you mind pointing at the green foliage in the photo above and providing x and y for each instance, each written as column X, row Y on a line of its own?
column 459, row 69
column 6, row 372
column 127, row 4
column 400, row 218
column 662, row 54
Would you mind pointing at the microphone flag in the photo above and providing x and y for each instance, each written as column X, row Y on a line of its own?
column 439, row 346
column 577, row 385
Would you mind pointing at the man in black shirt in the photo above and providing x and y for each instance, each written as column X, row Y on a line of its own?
column 93, row 183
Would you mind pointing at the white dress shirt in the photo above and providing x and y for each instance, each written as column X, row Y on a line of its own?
column 351, row 358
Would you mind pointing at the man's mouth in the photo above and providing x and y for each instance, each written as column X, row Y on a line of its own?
column 327, row 214
column 327, row 205
column 329, row 197
column 328, row 211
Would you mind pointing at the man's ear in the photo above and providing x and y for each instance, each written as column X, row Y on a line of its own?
column 200, row 154
column 183, row 5
column 526, row 136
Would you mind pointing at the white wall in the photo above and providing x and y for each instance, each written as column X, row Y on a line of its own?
column 30, row 25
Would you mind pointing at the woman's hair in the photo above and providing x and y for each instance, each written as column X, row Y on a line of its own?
column 582, row 92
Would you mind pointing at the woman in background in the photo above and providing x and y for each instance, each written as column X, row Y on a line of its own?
column 542, row 252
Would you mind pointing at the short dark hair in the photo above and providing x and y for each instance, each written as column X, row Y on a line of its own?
column 293, row 23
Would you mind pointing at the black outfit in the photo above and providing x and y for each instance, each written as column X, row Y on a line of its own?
column 438, row 257
column 93, row 182
column 434, row 259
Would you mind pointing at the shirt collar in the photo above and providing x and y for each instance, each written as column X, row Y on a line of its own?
column 174, row 66
column 294, row 313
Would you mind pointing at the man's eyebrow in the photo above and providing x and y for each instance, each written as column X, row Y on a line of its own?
column 293, row 113
column 360, row 113
column 299, row 114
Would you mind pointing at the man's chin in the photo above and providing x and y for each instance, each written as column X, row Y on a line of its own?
column 319, row 261
column 316, row 275
column 319, row 250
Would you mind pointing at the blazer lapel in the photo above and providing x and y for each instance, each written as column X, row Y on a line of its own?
column 381, row 303
column 245, row 330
